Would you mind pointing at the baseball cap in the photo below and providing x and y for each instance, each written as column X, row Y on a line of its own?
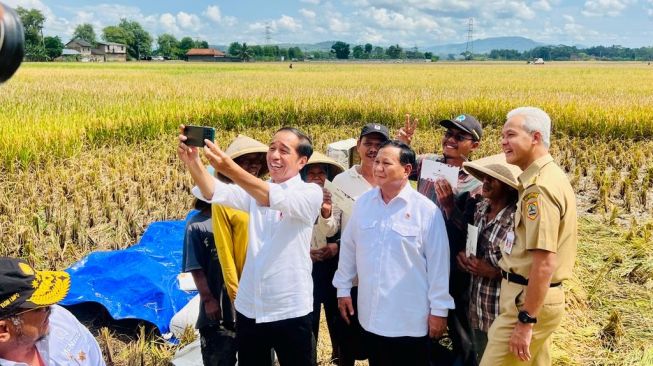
column 466, row 123
column 375, row 128
column 24, row 288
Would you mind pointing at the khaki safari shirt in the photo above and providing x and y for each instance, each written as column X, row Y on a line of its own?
column 545, row 219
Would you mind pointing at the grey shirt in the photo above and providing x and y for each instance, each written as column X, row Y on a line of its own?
column 200, row 253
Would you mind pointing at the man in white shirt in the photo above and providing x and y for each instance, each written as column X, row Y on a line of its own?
column 33, row 329
column 396, row 243
column 355, row 181
column 275, row 294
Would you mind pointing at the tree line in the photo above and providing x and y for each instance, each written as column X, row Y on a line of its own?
column 573, row 53
column 139, row 42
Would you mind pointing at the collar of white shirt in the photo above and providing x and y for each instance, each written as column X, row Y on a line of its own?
column 404, row 194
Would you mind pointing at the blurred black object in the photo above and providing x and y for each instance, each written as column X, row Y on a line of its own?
column 12, row 42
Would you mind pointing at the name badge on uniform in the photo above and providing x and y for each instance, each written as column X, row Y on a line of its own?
column 510, row 240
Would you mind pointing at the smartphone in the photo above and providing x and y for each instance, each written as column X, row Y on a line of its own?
column 197, row 134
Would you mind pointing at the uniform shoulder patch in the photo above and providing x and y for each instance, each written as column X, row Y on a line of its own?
column 532, row 206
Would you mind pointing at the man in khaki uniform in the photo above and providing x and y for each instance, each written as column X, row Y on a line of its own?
column 540, row 254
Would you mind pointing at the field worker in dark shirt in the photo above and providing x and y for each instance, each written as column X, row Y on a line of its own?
column 216, row 318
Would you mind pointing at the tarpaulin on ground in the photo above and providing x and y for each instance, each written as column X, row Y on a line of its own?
column 138, row 282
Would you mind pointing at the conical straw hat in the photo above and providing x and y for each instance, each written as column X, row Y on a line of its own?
column 243, row 145
column 318, row 158
column 496, row 167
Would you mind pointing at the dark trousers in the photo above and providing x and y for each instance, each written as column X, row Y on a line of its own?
column 331, row 313
column 351, row 338
column 292, row 340
column 218, row 346
column 397, row 351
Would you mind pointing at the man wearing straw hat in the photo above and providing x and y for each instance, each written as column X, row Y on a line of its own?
column 324, row 247
column 396, row 243
column 215, row 245
column 33, row 329
column 532, row 301
column 274, row 299
column 493, row 225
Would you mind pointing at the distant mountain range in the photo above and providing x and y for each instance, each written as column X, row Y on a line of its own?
column 479, row 46
column 486, row 45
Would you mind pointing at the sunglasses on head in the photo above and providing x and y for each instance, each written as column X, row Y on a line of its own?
column 457, row 136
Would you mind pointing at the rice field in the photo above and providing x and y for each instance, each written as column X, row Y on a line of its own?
column 88, row 161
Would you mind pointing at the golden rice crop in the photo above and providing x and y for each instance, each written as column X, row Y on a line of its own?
column 56, row 109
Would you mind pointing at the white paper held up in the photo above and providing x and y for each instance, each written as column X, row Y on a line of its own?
column 432, row 170
column 340, row 198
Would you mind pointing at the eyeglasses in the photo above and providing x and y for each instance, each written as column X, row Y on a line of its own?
column 44, row 309
column 457, row 136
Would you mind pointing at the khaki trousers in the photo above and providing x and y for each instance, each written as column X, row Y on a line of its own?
column 498, row 351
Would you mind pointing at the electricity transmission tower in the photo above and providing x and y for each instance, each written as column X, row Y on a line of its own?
column 469, row 47
column 268, row 33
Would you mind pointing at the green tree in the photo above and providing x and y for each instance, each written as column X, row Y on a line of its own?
column 245, row 52
column 358, row 51
column 378, row 52
column 428, row 55
column 185, row 44
column 168, row 45
column 201, row 44
column 234, row 49
column 131, row 33
column 86, row 32
column 295, row 53
column 368, row 48
column 394, row 52
column 32, row 20
column 116, row 34
column 53, row 47
column 141, row 44
column 341, row 50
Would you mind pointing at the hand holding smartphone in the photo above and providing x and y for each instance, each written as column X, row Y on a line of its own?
column 195, row 135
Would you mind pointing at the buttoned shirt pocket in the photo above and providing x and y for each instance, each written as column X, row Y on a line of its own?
column 407, row 233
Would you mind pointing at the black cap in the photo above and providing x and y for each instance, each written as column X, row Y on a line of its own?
column 371, row 128
column 466, row 123
column 23, row 288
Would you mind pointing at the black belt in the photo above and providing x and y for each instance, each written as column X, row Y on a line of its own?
column 520, row 280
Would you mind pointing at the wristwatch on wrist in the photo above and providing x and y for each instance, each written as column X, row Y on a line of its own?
column 525, row 318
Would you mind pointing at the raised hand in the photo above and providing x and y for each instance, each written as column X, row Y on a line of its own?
column 187, row 154
column 405, row 134
column 327, row 205
column 218, row 158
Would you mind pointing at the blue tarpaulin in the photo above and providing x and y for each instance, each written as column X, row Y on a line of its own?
column 139, row 282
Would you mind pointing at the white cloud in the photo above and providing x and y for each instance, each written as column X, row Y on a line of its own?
column 314, row 2
column 169, row 23
column 337, row 25
column 612, row 8
column 213, row 13
column 568, row 18
column 308, row 14
column 288, row 23
column 188, row 21
column 542, row 5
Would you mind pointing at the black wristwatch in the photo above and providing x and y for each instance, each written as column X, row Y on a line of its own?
column 526, row 318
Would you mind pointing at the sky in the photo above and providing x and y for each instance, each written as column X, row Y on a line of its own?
column 381, row 22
